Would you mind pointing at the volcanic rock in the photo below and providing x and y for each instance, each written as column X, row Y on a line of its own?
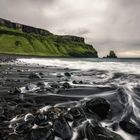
column 92, row 131
column 42, row 134
column 67, row 74
column 14, row 137
column 34, row 76
column 76, row 112
column 62, row 129
column 129, row 127
column 66, row 85
column 54, row 85
column 41, row 119
column 98, row 106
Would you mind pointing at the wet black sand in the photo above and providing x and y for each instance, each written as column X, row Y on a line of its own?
column 26, row 89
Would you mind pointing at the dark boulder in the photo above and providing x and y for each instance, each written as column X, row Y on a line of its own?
column 16, row 90
column 20, row 70
column 41, row 84
column 34, row 76
column 77, row 82
column 67, row 74
column 98, row 106
column 68, row 117
column 74, row 82
column 41, row 73
column 41, row 119
column 76, row 112
column 80, row 82
column 21, row 127
column 14, row 137
column 129, row 127
column 62, row 129
column 66, row 85
column 92, row 131
column 42, row 134
column 55, row 85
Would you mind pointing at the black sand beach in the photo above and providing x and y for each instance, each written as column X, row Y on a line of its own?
column 52, row 103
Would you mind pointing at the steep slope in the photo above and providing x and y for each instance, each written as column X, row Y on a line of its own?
column 26, row 40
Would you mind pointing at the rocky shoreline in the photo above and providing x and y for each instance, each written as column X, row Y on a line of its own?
column 7, row 58
column 47, row 103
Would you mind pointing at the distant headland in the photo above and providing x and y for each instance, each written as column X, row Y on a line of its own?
column 19, row 39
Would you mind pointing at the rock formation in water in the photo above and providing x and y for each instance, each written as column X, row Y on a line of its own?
column 112, row 54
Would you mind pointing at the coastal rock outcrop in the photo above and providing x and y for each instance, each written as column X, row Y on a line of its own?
column 28, row 40
column 112, row 54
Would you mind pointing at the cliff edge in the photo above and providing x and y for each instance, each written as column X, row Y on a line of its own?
column 22, row 39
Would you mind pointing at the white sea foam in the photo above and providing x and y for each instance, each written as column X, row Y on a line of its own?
column 116, row 66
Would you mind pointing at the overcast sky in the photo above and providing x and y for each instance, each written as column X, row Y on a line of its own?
column 106, row 24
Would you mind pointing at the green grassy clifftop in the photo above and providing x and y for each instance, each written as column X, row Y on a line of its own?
column 25, row 40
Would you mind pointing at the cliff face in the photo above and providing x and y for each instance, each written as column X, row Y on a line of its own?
column 73, row 38
column 29, row 29
column 24, row 28
column 17, row 38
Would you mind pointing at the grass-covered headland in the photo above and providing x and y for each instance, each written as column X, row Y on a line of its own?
column 20, row 39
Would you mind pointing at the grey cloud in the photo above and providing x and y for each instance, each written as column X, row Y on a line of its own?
column 107, row 24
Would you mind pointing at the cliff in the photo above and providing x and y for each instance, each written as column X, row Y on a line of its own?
column 24, row 28
column 21, row 39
